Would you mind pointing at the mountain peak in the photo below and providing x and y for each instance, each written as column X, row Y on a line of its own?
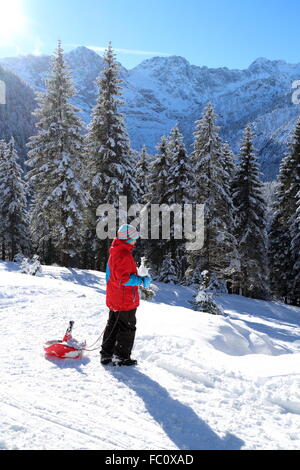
column 83, row 51
column 261, row 61
column 162, row 62
column 260, row 64
column 177, row 59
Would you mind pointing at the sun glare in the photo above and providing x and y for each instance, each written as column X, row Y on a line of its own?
column 12, row 20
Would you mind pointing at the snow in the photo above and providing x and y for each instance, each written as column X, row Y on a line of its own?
column 202, row 381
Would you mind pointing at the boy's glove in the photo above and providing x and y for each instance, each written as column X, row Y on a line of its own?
column 147, row 281
column 134, row 280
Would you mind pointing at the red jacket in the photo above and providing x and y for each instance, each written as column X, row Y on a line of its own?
column 119, row 267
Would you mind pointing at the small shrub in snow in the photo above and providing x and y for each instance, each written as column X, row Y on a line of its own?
column 31, row 266
column 216, row 286
column 204, row 300
column 18, row 258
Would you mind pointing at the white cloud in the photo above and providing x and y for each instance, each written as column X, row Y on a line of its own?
column 124, row 51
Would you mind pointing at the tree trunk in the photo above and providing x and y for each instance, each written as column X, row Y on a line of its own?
column 3, row 251
column 65, row 259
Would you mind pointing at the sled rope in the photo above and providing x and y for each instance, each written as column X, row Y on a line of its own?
column 98, row 347
column 94, row 349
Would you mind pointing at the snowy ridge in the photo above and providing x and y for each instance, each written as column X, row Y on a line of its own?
column 202, row 382
column 164, row 91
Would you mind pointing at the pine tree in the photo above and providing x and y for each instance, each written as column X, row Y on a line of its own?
column 279, row 255
column 56, row 162
column 294, row 284
column 159, row 170
column 229, row 161
column 142, row 159
column 168, row 272
column 283, row 256
column 230, row 168
column 131, row 187
column 204, row 299
column 179, row 191
column 179, row 179
column 157, row 194
column 213, row 189
column 110, row 162
column 142, row 174
column 2, row 174
column 14, row 220
column 250, row 221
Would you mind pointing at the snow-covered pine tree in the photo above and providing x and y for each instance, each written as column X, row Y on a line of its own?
column 159, row 170
column 157, row 194
column 2, row 150
column 179, row 178
column 294, row 284
column 110, row 162
column 270, row 188
column 142, row 173
column 230, row 168
column 142, row 159
column 31, row 266
column 14, row 218
column 283, row 239
column 2, row 174
column 219, row 254
column 56, row 162
column 250, row 221
column 168, row 272
column 131, row 187
column 204, row 299
column 229, row 159
column 179, row 190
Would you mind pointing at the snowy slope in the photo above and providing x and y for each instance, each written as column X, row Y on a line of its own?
column 203, row 382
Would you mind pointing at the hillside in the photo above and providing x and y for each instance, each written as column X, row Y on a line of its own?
column 202, row 381
column 16, row 115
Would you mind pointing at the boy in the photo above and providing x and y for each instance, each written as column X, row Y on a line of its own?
column 122, row 298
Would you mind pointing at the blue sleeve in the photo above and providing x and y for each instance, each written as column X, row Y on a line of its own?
column 134, row 280
column 107, row 273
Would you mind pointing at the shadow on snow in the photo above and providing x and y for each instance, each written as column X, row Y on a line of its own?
column 69, row 363
column 180, row 423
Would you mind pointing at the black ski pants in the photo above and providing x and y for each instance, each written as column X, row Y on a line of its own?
column 119, row 334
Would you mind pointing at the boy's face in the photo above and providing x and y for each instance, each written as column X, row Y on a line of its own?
column 133, row 242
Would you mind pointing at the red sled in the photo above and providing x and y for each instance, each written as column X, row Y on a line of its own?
column 67, row 348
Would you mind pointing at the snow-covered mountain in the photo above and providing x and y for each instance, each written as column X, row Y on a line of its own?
column 202, row 381
column 163, row 91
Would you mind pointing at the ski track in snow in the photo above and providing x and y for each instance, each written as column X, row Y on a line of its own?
column 203, row 382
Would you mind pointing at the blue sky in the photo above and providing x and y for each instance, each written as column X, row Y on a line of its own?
column 216, row 33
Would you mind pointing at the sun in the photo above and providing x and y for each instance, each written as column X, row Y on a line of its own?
column 12, row 20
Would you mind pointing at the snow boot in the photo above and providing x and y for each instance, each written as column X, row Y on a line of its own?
column 121, row 361
column 104, row 359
